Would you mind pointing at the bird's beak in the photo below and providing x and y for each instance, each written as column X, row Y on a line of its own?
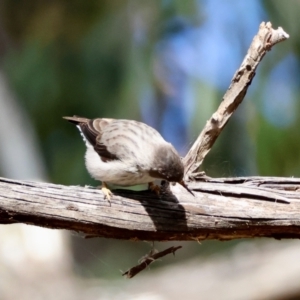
column 186, row 187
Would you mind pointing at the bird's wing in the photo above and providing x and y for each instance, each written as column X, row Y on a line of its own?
column 92, row 131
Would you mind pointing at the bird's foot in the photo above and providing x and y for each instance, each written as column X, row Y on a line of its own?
column 154, row 188
column 106, row 192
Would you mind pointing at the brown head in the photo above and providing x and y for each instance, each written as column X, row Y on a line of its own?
column 167, row 165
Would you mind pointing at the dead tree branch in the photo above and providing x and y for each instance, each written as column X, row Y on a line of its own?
column 265, row 39
column 222, row 209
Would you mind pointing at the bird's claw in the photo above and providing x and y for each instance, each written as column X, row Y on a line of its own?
column 106, row 192
column 154, row 188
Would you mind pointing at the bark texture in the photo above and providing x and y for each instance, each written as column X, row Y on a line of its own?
column 222, row 209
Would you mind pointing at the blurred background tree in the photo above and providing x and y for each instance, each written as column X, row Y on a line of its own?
column 167, row 63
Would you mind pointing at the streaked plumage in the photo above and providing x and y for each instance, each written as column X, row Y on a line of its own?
column 127, row 152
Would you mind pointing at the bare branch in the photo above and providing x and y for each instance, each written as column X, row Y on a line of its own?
column 149, row 259
column 265, row 39
column 222, row 209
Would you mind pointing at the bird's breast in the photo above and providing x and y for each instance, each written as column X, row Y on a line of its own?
column 116, row 171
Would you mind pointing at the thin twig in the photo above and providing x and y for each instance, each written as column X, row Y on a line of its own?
column 149, row 259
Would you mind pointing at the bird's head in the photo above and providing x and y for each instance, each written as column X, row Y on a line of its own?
column 168, row 165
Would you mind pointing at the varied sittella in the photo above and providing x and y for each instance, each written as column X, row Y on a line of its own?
column 127, row 152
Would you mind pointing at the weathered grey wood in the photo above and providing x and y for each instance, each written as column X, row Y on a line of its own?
column 223, row 209
column 264, row 40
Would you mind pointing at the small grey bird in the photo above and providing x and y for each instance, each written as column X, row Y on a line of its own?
column 127, row 152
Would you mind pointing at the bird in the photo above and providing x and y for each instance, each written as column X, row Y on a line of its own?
column 126, row 153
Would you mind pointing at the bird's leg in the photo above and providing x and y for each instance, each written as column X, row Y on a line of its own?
column 154, row 188
column 106, row 192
